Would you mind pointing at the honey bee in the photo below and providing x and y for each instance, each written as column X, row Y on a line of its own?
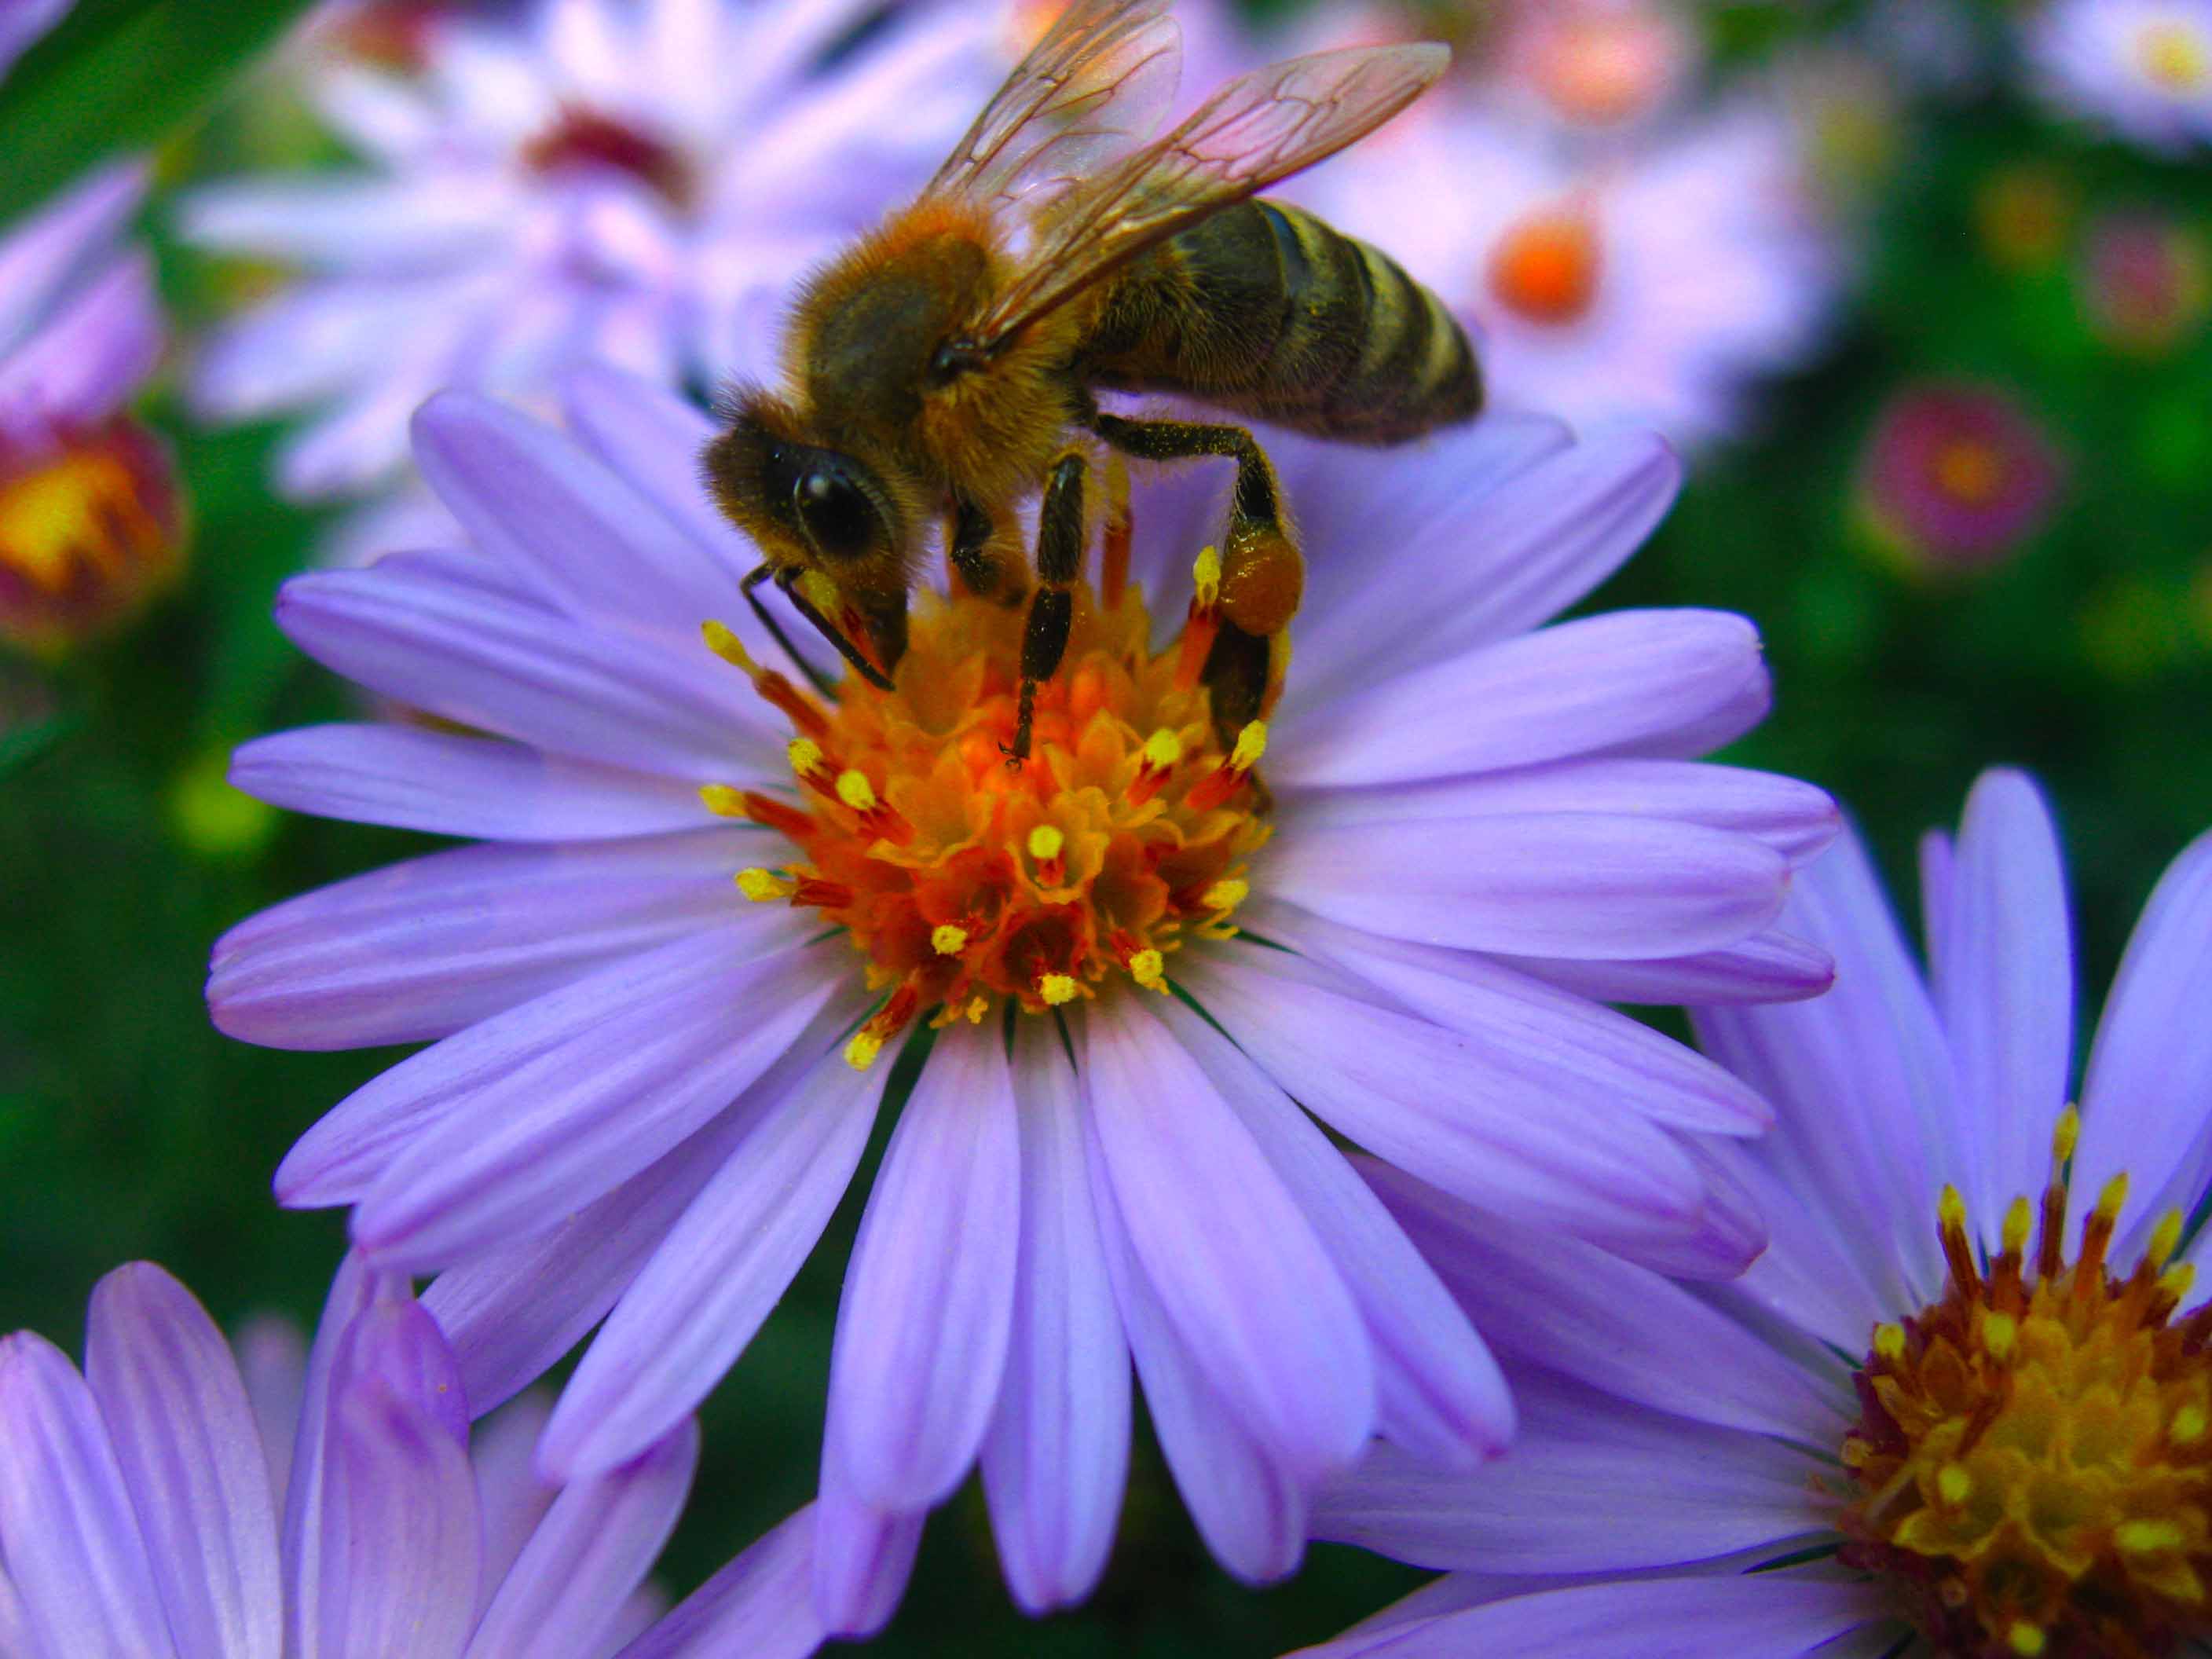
column 944, row 368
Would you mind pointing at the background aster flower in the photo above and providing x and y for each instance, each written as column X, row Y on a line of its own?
column 573, row 180
column 634, row 1105
column 1984, row 1434
column 2142, row 68
column 1956, row 477
column 174, row 1500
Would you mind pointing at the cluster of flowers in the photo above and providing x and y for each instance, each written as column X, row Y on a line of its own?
column 1799, row 1340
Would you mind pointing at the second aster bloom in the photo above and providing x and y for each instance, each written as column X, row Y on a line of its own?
column 2141, row 67
column 90, row 518
column 1956, row 477
column 173, row 1501
column 710, row 903
column 1959, row 1408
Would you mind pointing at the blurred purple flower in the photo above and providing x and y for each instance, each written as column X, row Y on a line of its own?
column 1647, row 286
column 2146, row 280
column 577, row 180
column 633, row 1107
column 176, row 1501
column 2142, row 68
column 21, row 22
column 90, row 518
column 1956, row 476
column 1849, row 1439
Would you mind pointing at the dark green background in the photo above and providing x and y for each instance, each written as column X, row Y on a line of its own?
column 129, row 1128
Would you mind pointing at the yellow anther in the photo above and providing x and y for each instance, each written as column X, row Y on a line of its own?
column 2188, row 1426
column 2176, row 1280
column 1149, row 970
column 763, row 885
column 1955, row 1485
column 2024, row 1639
column 805, row 755
column 1207, row 572
column 2146, row 1537
column 949, row 940
column 1889, row 1341
column 2000, row 1332
column 2164, row 1239
column 1056, row 988
column 2068, row 1130
column 861, row 1052
column 1045, row 843
column 1162, row 749
column 854, row 790
column 1951, row 1209
column 2114, row 1195
column 723, row 801
column 726, row 646
column 2018, row 1217
column 1251, row 744
column 977, row 1007
column 1226, row 894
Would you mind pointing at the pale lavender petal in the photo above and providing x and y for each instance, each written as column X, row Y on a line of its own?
column 272, row 1362
column 533, row 499
column 654, row 439
column 1621, row 682
column 594, row 1547
column 862, row 1560
column 1057, row 1454
column 2005, row 993
column 449, row 785
column 761, row 1605
column 698, row 1301
column 1247, row 1509
column 1768, row 967
column 1567, row 1307
column 1556, row 1157
column 1530, row 1030
column 190, row 1451
column 511, row 1311
column 1438, row 1390
column 400, row 1529
column 1747, row 1616
column 1563, row 884
column 1939, row 891
column 2149, row 1087
column 418, row 950
column 1588, row 1485
column 526, row 1119
column 21, row 22
column 67, row 1532
column 42, row 254
column 14, row 1631
column 575, row 688
column 927, row 1308
column 397, row 225
column 511, row 1497
column 1247, row 1286
column 86, row 361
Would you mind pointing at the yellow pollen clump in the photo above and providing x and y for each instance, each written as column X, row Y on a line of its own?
column 88, row 532
column 964, row 883
column 2030, row 1471
column 2174, row 55
column 723, row 801
column 1206, row 572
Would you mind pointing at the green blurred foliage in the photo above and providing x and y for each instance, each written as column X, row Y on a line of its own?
column 129, row 1128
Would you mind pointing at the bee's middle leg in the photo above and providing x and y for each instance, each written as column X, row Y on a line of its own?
column 981, row 556
column 1052, row 606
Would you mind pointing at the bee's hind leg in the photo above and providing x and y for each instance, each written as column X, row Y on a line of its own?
column 1052, row 606
column 1262, row 574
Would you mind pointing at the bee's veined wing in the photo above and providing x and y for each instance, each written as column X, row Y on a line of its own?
column 1255, row 130
column 1097, row 82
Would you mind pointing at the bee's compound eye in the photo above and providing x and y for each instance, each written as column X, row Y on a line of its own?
column 840, row 520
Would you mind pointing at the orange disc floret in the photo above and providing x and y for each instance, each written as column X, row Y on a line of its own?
column 965, row 882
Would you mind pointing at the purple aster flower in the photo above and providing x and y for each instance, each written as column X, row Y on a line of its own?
column 90, row 519
column 2142, row 68
column 571, row 180
column 647, row 1084
column 1948, row 1413
column 2145, row 281
column 1956, row 476
column 21, row 22
column 177, row 1502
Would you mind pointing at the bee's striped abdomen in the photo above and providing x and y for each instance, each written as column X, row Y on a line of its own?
column 1266, row 311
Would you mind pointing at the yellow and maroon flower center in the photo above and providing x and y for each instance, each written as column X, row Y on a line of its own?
column 89, row 527
column 2032, row 1463
column 963, row 883
column 1969, row 471
column 581, row 139
column 1545, row 268
column 2175, row 54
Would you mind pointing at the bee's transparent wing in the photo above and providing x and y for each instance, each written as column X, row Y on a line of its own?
column 1096, row 83
column 1255, row 130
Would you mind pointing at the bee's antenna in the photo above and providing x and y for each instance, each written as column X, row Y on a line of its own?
column 808, row 671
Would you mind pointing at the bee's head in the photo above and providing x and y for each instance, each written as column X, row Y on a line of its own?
column 833, row 528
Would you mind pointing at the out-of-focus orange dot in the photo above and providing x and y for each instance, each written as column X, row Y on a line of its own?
column 1545, row 268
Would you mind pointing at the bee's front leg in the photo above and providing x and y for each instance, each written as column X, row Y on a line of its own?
column 1052, row 606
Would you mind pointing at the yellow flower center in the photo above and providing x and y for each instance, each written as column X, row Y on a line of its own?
column 2174, row 55
column 2031, row 1462
column 87, row 531
column 963, row 883
column 1970, row 471
column 1607, row 66
column 1544, row 267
